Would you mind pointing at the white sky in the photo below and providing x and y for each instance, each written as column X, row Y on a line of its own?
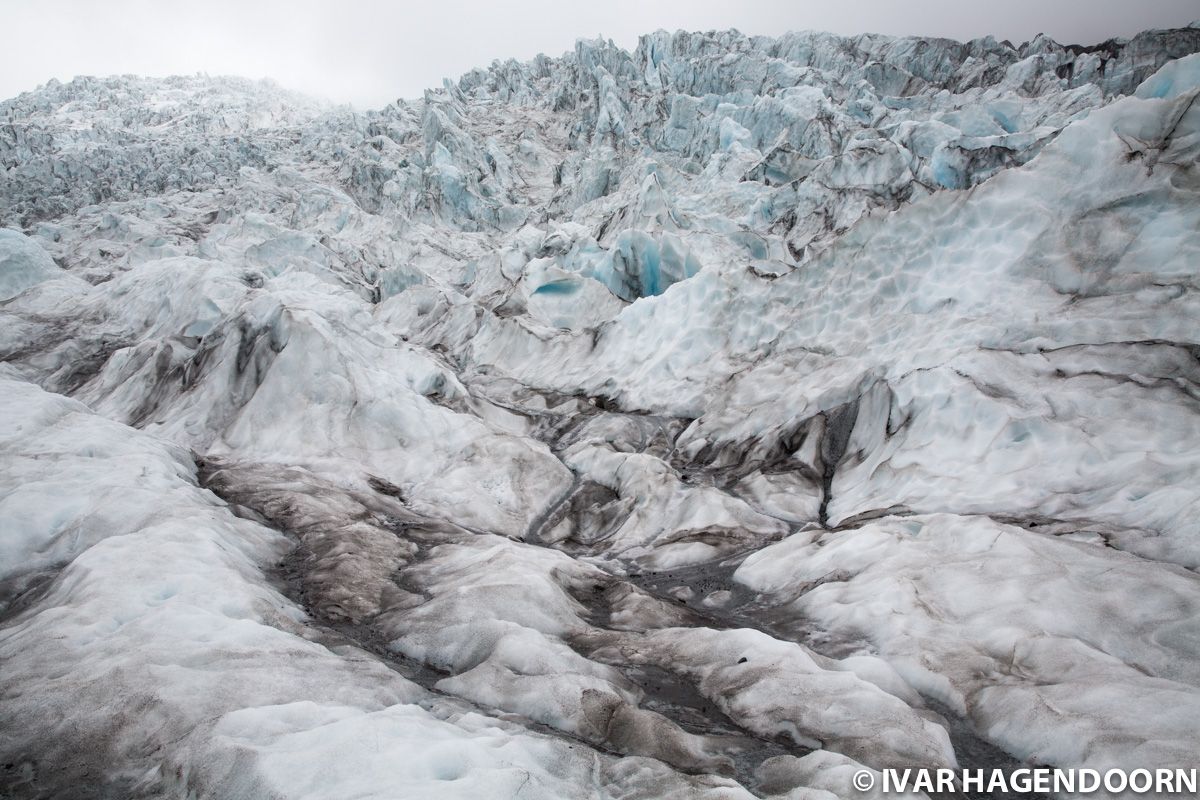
column 369, row 52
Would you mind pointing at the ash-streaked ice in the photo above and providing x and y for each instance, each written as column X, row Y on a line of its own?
column 719, row 418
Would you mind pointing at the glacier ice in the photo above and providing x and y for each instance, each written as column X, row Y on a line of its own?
column 709, row 420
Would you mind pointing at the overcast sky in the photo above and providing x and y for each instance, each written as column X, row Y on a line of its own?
column 370, row 52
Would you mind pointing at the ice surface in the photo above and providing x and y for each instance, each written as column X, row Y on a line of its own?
column 24, row 264
column 1061, row 651
column 710, row 420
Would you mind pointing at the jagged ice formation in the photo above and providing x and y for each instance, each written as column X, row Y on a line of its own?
column 710, row 420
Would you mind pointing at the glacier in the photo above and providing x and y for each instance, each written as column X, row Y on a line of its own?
column 714, row 419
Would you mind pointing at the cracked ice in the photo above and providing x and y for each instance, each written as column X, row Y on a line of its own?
column 711, row 420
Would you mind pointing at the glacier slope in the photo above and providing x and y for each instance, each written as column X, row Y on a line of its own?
column 707, row 420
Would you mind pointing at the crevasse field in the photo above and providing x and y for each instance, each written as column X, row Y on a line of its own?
column 712, row 420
